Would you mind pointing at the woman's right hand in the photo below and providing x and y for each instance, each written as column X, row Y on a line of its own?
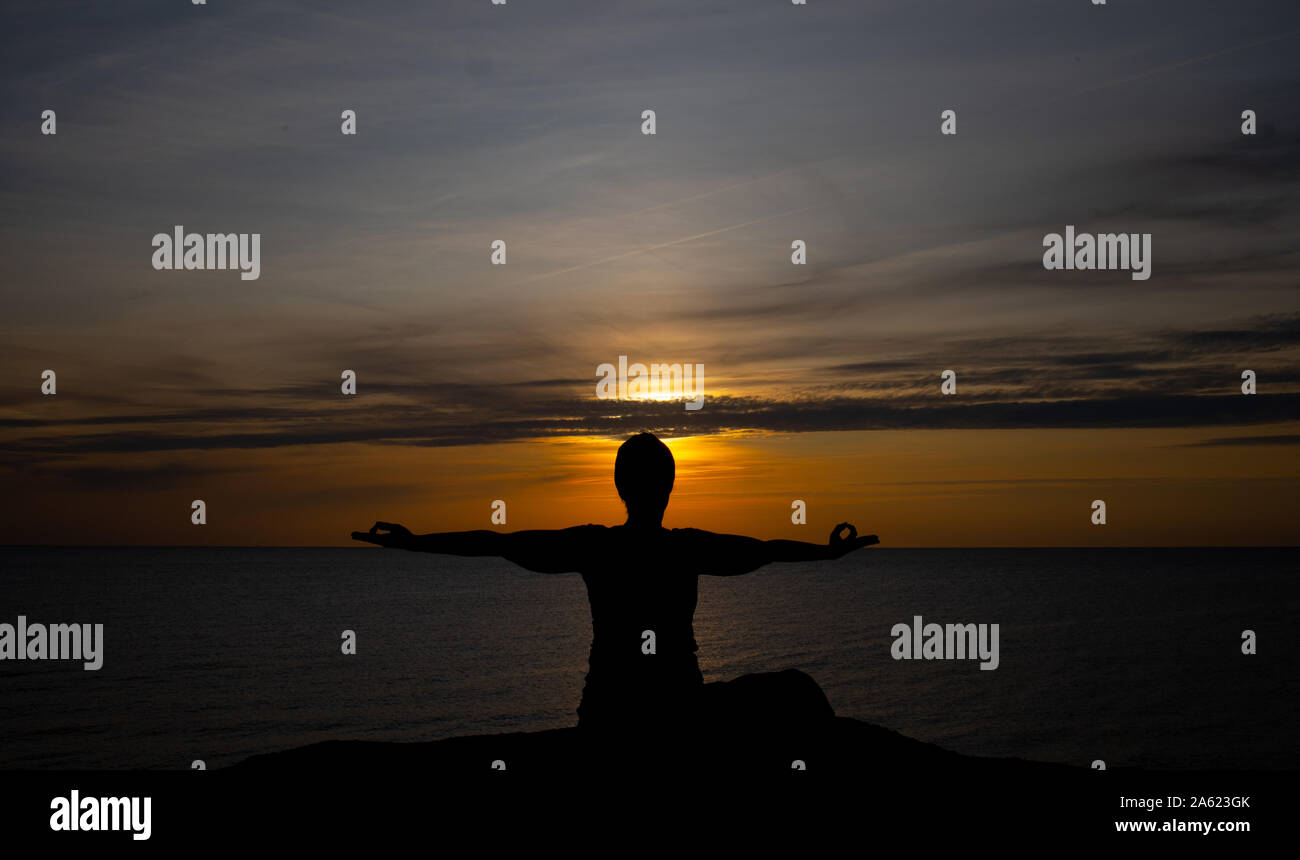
column 397, row 536
column 843, row 546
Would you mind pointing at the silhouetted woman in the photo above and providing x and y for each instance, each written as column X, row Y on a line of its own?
column 641, row 582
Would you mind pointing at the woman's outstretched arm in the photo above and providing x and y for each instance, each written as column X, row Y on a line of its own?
column 395, row 536
column 732, row 555
column 540, row 550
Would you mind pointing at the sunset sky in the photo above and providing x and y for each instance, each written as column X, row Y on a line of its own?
column 775, row 122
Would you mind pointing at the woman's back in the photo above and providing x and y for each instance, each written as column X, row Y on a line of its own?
column 643, row 590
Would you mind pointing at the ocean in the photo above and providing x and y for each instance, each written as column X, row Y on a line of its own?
column 1132, row 656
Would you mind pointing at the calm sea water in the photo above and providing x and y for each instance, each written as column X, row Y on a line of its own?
column 1132, row 656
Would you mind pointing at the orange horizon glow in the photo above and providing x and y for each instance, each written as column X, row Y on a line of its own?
column 966, row 488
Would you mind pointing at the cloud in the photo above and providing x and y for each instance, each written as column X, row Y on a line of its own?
column 1240, row 441
column 721, row 414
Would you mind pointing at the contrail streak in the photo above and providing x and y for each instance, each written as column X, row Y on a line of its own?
column 1159, row 69
column 648, row 248
column 1155, row 71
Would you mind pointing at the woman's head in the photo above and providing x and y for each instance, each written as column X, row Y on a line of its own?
column 643, row 473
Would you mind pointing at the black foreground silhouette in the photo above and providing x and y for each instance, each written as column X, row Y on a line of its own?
column 644, row 678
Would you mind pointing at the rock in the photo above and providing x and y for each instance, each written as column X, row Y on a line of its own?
column 832, row 745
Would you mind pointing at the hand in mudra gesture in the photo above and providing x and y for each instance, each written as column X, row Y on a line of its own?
column 841, row 546
column 397, row 535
